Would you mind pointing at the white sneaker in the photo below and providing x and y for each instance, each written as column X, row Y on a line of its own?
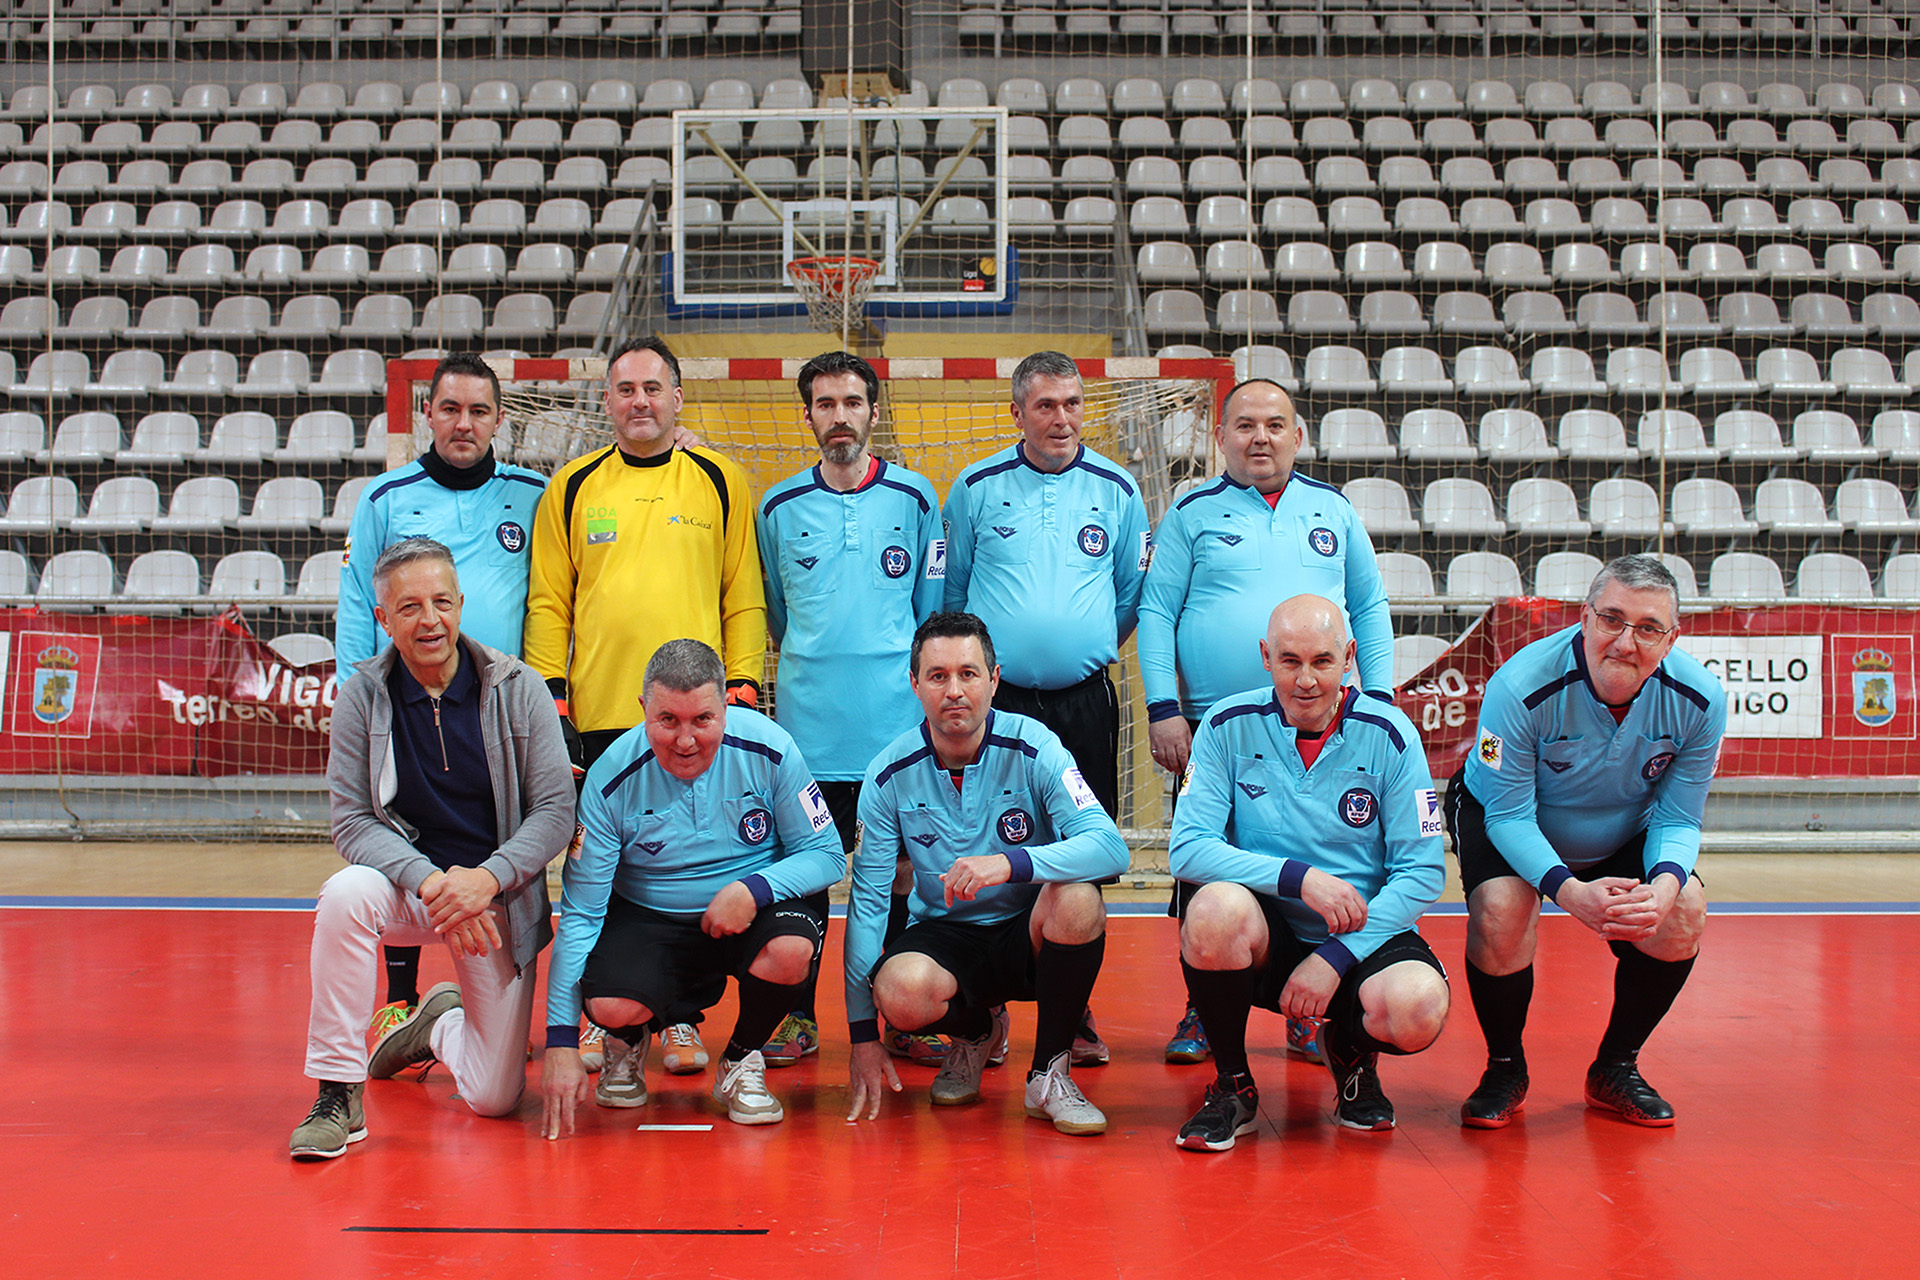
column 593, row 1048
column 623, row 1080
column 958, row 1083
column 1054, row 1096
column 743, row 1087
column 681, row 1052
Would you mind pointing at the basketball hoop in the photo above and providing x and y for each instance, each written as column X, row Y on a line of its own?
column 836, row 290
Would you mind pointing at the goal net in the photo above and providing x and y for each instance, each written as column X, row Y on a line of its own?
column 937, row 416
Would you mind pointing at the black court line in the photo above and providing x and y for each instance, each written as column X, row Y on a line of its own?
column 562, row 1231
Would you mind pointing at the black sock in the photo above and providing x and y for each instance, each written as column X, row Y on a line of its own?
column 1064, row 974
column 762, row 1005
column 1500, row 1001
column 1643, row 990
column 897, row 918
column 1223, row 998
column 632, row 1036
column 403, row 975
column 1348, row 1041
column 963, row 1020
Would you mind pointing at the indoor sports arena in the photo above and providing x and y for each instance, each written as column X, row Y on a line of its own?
column 1572, row 345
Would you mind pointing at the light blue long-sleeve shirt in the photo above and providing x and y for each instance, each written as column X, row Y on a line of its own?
column 1564, row 786
column 1022, row 797
column 487, row 527
column 849, row 577
column 1252, row 813
column 756, row 816
column 1052, row 562
column 1222, row 559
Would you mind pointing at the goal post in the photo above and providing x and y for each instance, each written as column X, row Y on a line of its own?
column 938, row 415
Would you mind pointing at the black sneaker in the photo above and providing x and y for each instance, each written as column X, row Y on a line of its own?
column 1501, row 1093
column 1360, row 1103
column 1225, row 1113
column 1620, row 1088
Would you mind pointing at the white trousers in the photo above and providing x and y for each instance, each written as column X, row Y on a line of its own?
column 484, row 1043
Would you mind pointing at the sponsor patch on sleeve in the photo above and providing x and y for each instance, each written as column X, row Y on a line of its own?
column 1428, row 802
column 1186, row 778
column 1490, row 747
column 1083, row 797
column 816, row 806
column 1146, row 548
column 937, row 558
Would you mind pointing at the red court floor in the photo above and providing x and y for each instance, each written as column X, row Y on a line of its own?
column 151, row 1061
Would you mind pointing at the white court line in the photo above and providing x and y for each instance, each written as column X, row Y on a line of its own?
column 672, row 1128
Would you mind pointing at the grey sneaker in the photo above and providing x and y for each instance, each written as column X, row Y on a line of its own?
column 593, row 1047
column 335, row 1121
column 959, row 1080
column 681, row 1052
column 1054, row 1096
column 623, row 1077
column 409, row 1042
column 743, row 1087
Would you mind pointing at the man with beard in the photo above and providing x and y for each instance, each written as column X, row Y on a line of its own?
column 855, row 560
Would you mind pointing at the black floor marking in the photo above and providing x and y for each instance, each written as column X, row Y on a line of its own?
column 563, row 1231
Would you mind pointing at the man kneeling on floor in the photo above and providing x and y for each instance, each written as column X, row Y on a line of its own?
column 1005, row 837
column 703, row 832
column 451, row 793
column 1309, row 820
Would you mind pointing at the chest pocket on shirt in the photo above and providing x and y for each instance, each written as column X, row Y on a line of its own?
column 1323, row 543
column 892, row 558
column 1092, row 534
column 1004, row 536
column 1228, row 548
column 805, row 565
column 1262, row 803
column 1560, row 758
column 1656, row 758
column 748, row 823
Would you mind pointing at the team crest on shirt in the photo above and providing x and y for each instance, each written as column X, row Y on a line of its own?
column 651, row 848
column 512, row 537
column 1253, row 789
column 1357, row 807
column 1093, row 540
column 924, row 840
column 1323, row 541
column 1016, row 826
column 1653, row 768
column 755, row 826
column 1490, row 748
column 895, row 562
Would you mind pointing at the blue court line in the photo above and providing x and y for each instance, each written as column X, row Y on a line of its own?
column 1146, row 909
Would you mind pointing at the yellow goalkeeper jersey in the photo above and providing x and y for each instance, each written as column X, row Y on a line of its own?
column 629, row 553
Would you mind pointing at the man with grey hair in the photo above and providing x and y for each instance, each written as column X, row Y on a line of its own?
column 451, row 792
column 1587, row 784
column 703, row 834
column 1047, row 543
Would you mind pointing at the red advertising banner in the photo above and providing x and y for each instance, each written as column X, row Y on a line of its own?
column 1812, row 691
column 87, row 694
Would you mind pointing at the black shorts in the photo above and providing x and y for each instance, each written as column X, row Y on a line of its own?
column 665, row 963
column 1086, row 719
column 1285, row 952
column 993, row 963
column 1480, row 861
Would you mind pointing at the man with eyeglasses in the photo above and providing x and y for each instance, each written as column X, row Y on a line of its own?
column 1586, row 784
